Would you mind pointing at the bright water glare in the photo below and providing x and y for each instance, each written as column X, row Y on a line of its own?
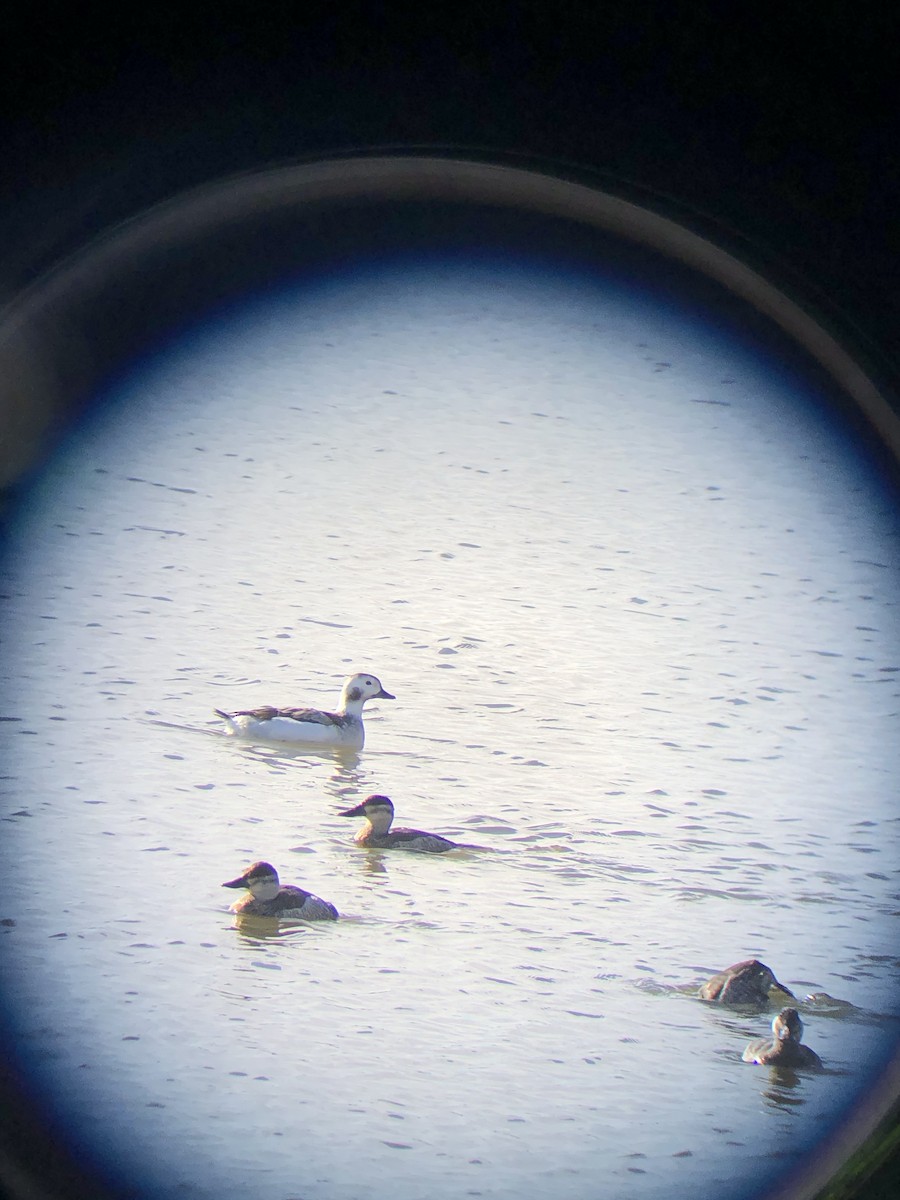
column 634, row 595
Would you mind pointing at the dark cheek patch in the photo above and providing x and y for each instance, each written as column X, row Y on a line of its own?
column 354, row 694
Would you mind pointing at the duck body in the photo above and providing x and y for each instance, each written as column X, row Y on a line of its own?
column 270, row 898
column 377, row 834
column 785, row 1048
column 311, row 726
column 746, row 982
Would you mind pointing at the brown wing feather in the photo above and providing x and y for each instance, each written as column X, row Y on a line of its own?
column 313, row 715
column 310, row 715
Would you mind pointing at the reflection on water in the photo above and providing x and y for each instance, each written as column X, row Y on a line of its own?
column 635, row 599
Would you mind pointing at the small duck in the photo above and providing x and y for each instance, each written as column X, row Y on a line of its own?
column 747, row 982
column 311, row 726
column 270, row 898
column 786, row 1049
column 377, row 833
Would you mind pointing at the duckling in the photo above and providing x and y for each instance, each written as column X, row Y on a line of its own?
column 377, row 833
column 786, row 1049
column 312, row 726
column 747, row 982
column 270, row 898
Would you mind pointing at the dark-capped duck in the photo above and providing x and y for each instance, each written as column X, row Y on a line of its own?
column 271, row 898
column 377, row 833
column 785, row 1048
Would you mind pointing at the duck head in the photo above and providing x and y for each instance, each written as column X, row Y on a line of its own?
column 377, row 810
column 260, row 879
column 362, row 687
column 760, row 976
column 787, row 1026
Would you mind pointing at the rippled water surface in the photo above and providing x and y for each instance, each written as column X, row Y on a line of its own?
column 635, row 597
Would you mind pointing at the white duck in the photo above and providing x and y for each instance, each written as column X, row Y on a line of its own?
column 311, row 726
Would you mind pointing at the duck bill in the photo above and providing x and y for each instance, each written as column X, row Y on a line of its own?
column 383, row 695
column 236, row 883
column 358, row 811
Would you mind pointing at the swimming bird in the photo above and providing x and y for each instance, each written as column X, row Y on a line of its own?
column 786, row 1048
column 377, row 833
column 312, row 726
column 747, row 982
column 270, row 898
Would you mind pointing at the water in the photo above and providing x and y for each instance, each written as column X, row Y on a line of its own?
column 635, row 595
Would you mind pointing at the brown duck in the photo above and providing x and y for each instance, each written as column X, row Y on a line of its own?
column 747, row 982
column 785, row 1049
